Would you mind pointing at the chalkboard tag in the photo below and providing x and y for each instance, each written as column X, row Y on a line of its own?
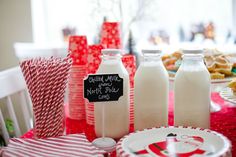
column 103, row 87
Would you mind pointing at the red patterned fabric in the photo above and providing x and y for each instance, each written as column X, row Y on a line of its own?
column 223, row 121
column 110, row 35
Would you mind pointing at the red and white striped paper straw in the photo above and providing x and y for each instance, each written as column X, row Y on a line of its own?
column 46, row 80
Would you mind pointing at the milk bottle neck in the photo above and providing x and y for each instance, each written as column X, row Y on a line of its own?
column 193, row 60
column 111, row 58
column 151, row 59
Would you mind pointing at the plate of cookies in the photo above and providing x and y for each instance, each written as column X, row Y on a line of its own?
column 222, row 67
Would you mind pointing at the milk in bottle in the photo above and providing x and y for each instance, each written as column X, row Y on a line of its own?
column 116, row 119
column 151, row 87
column 192, row 92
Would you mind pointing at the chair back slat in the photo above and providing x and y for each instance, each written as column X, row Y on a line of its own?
column 4, row 129
column 13, row 116
column 25, row 109
column 12, row 82
column 29, row 102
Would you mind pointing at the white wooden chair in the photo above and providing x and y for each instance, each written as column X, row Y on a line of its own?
column 12, row 82
column 30, row 50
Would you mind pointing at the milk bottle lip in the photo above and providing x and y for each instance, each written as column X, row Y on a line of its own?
column 153, row 51
column 193, row 56
column 111, row 51
column 192, row 51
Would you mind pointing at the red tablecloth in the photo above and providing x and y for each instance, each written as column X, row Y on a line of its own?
column 223, row 121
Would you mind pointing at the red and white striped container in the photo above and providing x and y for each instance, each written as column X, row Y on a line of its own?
column 46, row 80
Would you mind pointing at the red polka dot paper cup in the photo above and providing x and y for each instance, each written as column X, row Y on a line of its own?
column 111, row 35
column 78, row 51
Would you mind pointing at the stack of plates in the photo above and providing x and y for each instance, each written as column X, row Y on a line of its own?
column 174, row 141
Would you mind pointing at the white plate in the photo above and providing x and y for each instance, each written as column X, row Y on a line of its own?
column 227, row 94
column 225, row 80
column 182, row 142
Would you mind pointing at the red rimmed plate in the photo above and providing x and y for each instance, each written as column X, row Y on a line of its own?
column 174, row 141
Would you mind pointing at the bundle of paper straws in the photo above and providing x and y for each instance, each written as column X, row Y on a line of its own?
column 46, row 80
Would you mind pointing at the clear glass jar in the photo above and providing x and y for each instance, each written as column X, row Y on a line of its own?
column 116, row 120
column 192, row 93
column 151, row 89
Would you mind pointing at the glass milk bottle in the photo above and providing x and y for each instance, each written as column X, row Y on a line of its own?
column 151, row 87
column 116, row 121
column 192, row 92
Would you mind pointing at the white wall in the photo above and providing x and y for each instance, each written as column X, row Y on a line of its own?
column 15, row 26
column 234, row 16
column 87, row 16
